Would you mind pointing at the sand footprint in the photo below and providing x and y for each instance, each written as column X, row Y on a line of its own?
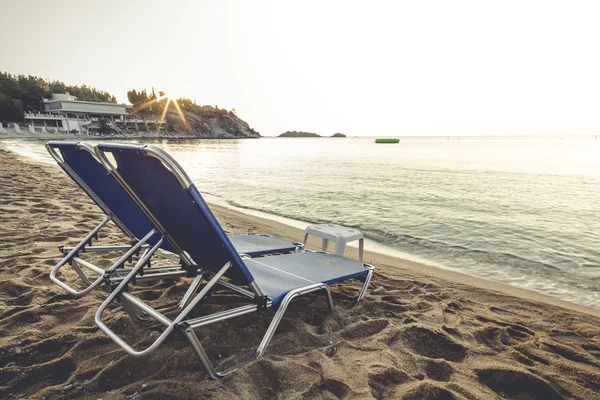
column 427, row 391
column 338, row 388
column 429, row 343
column 384, row 380
column 27, row 379
column 568, row 352
column 592, row 349
column 364, row 329
column 517, row 384
column 496, row 338
column 439, row 370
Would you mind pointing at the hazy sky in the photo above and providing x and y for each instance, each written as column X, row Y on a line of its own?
column 361, row 68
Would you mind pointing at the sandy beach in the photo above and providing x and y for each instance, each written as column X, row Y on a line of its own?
column 420, row 333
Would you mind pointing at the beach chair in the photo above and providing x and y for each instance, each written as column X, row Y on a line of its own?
column 183, row 219
column 78, row 160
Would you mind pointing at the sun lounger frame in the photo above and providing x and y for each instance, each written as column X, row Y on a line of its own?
column 258, row 301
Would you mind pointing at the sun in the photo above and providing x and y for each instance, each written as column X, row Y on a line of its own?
column 169, row 100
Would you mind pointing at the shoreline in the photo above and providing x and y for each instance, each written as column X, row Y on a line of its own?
column 137, row 135
column 419, row 333
column 273, row 225
column 395, row 266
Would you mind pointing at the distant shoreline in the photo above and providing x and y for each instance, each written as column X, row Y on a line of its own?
column 142, row 135
column 147, row 135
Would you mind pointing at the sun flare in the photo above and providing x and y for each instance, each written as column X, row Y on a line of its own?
column 168, row 100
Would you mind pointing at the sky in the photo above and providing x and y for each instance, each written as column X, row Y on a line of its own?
column 361, row 68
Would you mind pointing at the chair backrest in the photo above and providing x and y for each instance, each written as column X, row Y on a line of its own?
column 80, row 163
column 172, row 200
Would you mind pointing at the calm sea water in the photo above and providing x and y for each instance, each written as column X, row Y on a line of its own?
column 521, row 211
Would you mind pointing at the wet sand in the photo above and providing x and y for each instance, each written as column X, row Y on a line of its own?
column 420, row 333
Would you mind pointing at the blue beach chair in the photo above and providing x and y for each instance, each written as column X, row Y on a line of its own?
column 78, row 160
column 183, row 219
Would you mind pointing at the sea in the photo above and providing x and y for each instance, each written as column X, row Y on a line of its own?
column 520, row 210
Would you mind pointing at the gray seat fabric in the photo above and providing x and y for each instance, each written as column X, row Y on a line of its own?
column 277, row 275
column 256, row 245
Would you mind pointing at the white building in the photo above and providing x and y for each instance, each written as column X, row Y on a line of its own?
column 64, row 113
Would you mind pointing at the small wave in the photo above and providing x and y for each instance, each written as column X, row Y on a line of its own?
column 504, row 267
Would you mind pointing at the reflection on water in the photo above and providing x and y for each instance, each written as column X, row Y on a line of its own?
column 526, row 212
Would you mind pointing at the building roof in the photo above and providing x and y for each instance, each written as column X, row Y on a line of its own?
column 92, row 107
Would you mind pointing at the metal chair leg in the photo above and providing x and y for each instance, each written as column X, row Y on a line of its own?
column 72, row 254
column 210, row 369
column 190, row 291
column 283, row 307
column 135, row 313
column 208, row 365
column 363, row 291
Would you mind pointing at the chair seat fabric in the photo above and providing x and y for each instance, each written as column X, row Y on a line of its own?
column 278, row 275
column 108, row 190
column 256, row 245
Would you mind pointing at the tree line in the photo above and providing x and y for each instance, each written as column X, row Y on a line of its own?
column 152, row 104
column 24, row 93
column 19, row 93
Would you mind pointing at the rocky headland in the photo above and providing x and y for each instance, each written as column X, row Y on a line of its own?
column 211, row 124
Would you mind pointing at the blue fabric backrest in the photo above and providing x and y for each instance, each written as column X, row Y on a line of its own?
column 182, row 212
column 108, row 190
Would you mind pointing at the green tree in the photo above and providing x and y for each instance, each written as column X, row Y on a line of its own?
column 58, row 87
column 32, row 89
column 10, row 111
column 9, row 86
column 137, row 99
column 29, row 90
